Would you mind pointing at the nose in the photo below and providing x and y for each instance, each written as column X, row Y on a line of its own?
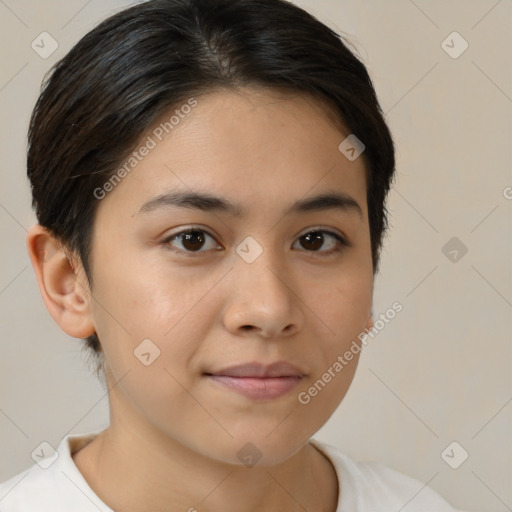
column 263, row 298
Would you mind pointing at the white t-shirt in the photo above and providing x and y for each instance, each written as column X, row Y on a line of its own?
column 56, row 485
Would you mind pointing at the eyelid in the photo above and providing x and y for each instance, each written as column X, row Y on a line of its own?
column 187, row 229
column 197, row 227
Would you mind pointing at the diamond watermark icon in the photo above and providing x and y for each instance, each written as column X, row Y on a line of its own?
column 44, row 455
column 146, row 352
column 454, row 455
column 249, row 249
column 249, row 455
column 44, row 45
column 454, row 45
column 351, row 147
column 454, row 249
column 47, row 252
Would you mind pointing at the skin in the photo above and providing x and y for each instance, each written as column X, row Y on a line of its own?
column 174, row 434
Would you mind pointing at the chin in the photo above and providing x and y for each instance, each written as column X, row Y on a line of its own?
column 266, row 450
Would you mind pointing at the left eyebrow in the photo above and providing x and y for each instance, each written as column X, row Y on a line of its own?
column 210, row 203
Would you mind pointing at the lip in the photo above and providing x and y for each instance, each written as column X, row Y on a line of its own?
column 257, row 381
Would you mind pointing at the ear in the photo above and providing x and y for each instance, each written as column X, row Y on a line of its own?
column 64, row 289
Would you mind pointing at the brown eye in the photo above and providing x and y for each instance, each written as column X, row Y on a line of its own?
column 191, row 240
column 314, row 240
column 196, row 241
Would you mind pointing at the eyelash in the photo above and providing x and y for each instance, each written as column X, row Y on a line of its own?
column 342, row 243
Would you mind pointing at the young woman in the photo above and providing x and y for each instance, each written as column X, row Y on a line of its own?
column 209, row 178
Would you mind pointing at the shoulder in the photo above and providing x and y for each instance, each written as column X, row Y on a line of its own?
column 26, row 490
column 370, row 486
column 54, row 484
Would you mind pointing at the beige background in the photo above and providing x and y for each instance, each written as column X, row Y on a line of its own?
column 441, row 371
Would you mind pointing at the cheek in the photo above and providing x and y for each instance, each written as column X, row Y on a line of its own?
column 341, row 308
column 342, row 305
column 151, row 325
column 146, row 300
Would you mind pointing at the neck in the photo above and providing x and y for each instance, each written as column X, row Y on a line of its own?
column 134, row 471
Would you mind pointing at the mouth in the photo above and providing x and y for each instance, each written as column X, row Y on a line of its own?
column 257, row 381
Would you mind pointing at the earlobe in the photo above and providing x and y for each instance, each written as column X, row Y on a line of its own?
column 64, row 292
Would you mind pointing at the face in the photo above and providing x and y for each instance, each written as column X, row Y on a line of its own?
column 275, row 279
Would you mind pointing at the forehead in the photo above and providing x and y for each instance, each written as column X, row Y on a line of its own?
column 253, row 146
